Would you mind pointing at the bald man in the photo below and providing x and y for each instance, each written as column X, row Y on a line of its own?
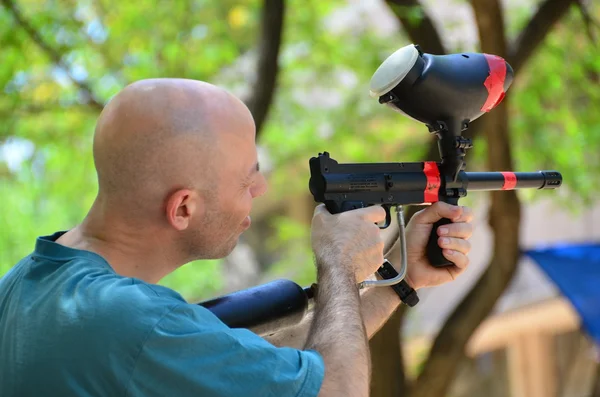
column 82, row 315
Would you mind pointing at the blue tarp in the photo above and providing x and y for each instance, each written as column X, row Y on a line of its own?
column 575, row 269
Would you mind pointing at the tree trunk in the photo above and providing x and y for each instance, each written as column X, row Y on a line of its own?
column 423, row 32
column 489, row 287
column 267, row 67
column 596, row 383
column 504, row 218
column 387, row 377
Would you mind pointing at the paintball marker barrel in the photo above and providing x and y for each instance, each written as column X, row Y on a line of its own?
column 417, row 182
column 354, row 185
column 512, row 180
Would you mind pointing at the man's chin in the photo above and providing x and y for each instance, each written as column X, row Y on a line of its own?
column 217, row 252
column 225, row 251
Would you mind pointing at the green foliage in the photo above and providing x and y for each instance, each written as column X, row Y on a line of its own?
column 197, row 280
column 292, row 238
column 413, row 14
column 555, row 122
column 103, row 45
column 321, row 103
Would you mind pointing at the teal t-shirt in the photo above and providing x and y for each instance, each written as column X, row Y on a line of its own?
column 71, row 326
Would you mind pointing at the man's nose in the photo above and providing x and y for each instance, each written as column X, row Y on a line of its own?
column 261, row 187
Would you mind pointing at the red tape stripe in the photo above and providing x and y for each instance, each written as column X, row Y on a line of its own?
column 510, row 180
column 494, row 82
column 432, row 173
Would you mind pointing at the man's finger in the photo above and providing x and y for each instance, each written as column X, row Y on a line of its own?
column 465, row 216
column 438, row 211
column 455, row 271
column 460, row 230
column 455, row 244
column 374, row 213
column 461, row 261
column 321, row 209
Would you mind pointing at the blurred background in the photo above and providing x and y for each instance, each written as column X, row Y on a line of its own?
column 508, row 326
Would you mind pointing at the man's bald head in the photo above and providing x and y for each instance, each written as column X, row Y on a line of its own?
column 159, row 135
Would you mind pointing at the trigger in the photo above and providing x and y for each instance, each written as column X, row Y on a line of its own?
column 388, row 217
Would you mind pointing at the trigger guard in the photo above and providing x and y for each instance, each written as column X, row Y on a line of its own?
column 388, row 218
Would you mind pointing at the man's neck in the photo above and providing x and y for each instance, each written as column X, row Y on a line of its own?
column 131, row 252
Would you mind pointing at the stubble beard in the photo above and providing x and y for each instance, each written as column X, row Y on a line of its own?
column 208, row 241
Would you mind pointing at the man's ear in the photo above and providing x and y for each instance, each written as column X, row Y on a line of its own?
column 181, row 206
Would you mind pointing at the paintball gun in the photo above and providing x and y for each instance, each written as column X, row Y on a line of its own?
column 444, row 92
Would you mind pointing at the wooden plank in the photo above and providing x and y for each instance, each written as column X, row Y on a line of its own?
column 551, row 317
column 533, row 370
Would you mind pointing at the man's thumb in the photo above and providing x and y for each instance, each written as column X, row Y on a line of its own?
column 438, row 211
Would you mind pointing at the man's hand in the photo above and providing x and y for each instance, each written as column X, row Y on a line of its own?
column 348, row 248
column 377, row 304
column 349, row 240
column 453, row 239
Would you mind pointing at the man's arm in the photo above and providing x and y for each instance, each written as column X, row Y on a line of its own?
column 377, row 304
column 338, row 334
column 348, row 248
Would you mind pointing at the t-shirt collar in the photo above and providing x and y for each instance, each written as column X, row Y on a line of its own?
column 47, row 247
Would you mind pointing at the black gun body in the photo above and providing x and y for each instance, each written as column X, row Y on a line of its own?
column 377, row 183
column 343, row 187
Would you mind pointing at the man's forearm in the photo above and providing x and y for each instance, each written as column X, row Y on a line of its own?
column 337, row 332
column 377, row 304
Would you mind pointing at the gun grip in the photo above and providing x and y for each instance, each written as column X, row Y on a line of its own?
column 434, row 251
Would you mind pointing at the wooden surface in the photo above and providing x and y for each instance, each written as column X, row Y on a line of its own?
column 551, row 317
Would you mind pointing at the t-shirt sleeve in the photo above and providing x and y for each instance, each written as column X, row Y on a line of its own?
column 191, row 353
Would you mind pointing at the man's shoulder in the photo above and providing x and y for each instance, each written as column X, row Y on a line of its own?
column 87, row 294
column 190, row 343
column 124, row 301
